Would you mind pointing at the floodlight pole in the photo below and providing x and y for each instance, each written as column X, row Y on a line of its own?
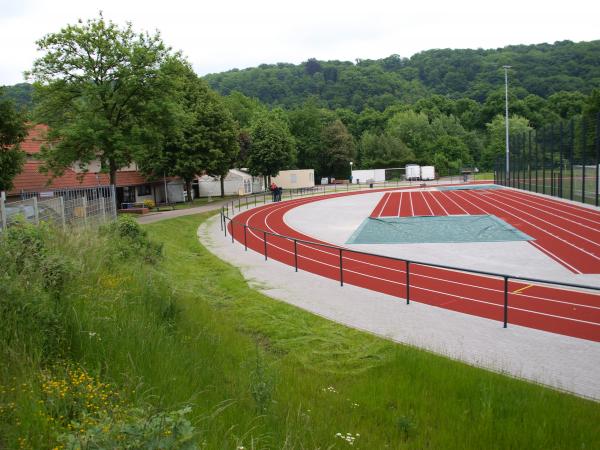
column 507, row 124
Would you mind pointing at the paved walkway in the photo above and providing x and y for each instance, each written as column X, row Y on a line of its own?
column 163, row 215
column 562, row 362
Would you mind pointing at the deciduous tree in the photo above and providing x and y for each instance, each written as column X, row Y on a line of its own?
column 12, row 132
column 338, row 150
column 100, row 88
column 272, row 148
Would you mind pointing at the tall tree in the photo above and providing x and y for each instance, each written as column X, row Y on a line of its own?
column 273, row 147
column 12, row 132
column 202, row 139
column 496, row 137
column 338, row 150
column 382, row 150
column 306, row 124
column 101, row 90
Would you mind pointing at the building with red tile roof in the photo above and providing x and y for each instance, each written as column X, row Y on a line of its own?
column 131, row 185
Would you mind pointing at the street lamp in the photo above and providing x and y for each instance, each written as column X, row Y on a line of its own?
column 506, row 113
column 351, row 171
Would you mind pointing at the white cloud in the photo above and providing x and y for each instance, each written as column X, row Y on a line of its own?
column 217, row 36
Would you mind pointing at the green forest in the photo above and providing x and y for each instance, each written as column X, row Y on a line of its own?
column 442, row 107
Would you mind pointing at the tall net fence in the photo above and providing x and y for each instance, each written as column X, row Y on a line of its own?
column 562, row 160
column 67, row 208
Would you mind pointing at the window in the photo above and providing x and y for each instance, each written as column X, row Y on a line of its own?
column 293, row 178
column 247, row 186
column 144, row 189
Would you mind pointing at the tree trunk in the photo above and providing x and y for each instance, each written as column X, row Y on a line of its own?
column 112, row 172
column 222, row 181
column 188, row 187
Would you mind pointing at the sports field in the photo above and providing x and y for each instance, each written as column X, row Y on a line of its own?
column 563, row 233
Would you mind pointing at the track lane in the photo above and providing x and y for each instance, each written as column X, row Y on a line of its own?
column 438, row 287
column 532, row 202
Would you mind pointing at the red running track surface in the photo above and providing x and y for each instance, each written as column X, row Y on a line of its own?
column 559, row 310
column 569, row 234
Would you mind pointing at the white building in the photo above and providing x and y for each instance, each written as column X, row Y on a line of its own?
column 237, row 182
column 368, row 176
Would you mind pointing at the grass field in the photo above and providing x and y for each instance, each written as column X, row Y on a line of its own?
column 164, row 333
column 484, row 176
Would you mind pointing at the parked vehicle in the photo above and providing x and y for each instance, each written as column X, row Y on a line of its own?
column 413, row 172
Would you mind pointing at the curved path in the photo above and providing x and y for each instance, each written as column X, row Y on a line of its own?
column 559, row 310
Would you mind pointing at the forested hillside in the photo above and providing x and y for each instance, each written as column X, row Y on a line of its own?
column 542, row 70
column 440, row 107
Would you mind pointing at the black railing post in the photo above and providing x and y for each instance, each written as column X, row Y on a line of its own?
column 341, row 270
column 583, row 159
column 225, row 223
column 408, row 282
column 232, row 225
column 505, row 301
column 255, row 201
column 543, row 138
column 239, row 203
column 551, row 160
column 537, row 163
column 245, row 237
column 571, row 157
column 265, row 241
column 529, row 160
column 296, row 254
column 597, row 181
column 221, row 219
column 561, row 162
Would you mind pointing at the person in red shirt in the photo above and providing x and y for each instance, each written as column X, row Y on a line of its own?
column 274, row 191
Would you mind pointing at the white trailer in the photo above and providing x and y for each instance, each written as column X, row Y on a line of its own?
column 413, row 172
column 427, row 173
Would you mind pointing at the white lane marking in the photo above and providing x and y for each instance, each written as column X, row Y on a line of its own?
column 549, row 223
column 427, row 203
column 400, row 203
column 530, row 201
column 553, row 256
column 388, row 195
column 438, row 202
column 535, row 226
column 545, row 200
column 452, row 200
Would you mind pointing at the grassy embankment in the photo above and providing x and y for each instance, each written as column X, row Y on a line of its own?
column 116, row 343
column 484, row 176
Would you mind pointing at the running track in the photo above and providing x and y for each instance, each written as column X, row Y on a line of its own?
column 559, row 310
column 568, row 234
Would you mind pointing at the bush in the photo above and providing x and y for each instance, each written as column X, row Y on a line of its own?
column 128, row 239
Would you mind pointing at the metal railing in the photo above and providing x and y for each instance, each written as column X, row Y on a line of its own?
column 408, row 263
column 64, row 207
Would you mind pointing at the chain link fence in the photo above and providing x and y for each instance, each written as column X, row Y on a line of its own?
column 562, row 160
column 71, row 208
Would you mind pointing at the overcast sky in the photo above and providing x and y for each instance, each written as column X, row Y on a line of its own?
column 219, row 35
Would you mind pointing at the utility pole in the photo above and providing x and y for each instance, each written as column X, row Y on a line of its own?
column 507, row 127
